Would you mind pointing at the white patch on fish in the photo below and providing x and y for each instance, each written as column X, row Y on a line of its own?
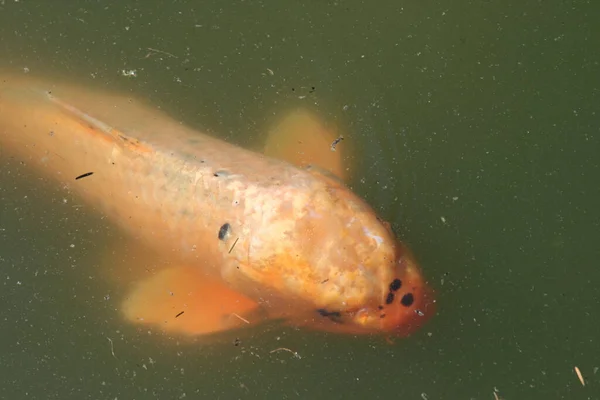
column 378, row 239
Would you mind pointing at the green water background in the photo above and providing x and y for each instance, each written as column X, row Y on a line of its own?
column 479, row 129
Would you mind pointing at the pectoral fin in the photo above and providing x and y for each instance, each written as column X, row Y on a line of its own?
column 182, row 300
column 301, row 138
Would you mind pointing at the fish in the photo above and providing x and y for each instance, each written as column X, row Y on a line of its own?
column 249, row 236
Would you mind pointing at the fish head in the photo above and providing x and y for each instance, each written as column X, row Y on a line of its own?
column 344, row 266
column 401, row 302
column 378, row 285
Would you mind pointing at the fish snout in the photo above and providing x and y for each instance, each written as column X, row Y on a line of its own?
column 405, row 305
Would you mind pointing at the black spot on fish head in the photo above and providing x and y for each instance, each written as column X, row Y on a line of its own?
column 390, row 298
column 395, row 285
column 407, row 300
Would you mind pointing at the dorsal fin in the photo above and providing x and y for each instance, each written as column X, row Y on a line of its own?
column 301, row 138
column 96, row 126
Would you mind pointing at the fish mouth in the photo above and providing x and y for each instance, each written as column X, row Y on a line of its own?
column 406, row 304
column 400, row 318
column 408, row 311
column 401, row 303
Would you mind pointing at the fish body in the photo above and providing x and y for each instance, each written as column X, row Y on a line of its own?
column 249, row 231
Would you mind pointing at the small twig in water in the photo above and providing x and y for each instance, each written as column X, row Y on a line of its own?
column 84, row 175
column 233, row 245
column 578, row 372
column 286, row 349
column 242, row 319
column 336, row 142
column 112, row 349
column 153, row 51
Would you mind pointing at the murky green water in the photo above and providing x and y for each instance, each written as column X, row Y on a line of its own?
column 479, row 124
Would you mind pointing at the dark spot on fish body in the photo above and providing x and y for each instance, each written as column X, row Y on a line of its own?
column 407, row 300
column 224, row 231
column 395, row 285
column 390, row 298
column 181, row 313
column 184, row 212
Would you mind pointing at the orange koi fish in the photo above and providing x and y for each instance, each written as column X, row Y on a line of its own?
column 248, row 235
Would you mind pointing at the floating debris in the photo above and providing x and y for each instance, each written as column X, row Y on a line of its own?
column 155, row 51
column 112, row 349
column 240, row 318
column 336, row 142
column 181, row 313
column 132, row 73
column 578, row 372
column 233, row 245
column 295, row 353
column 84, row 175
